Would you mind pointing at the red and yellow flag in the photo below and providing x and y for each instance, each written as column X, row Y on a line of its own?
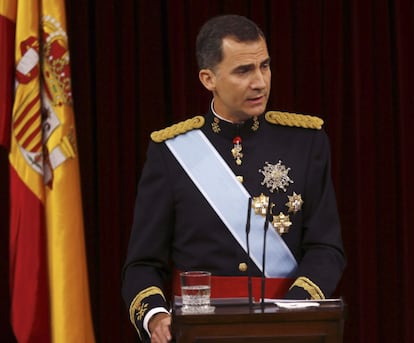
column 7, row 30
column 48, row 274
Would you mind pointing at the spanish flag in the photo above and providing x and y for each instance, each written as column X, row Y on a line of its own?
column 48, row 275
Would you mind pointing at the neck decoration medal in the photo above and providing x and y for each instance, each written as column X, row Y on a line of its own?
column 236, row 151
column 275, row 176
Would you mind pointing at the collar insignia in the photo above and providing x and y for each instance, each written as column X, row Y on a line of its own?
column 275, row 176
column 215, row 125
column 295, row 203
column 256, row 124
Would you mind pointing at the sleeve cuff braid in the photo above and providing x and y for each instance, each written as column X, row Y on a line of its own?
column 139, row 306
column 310, row 287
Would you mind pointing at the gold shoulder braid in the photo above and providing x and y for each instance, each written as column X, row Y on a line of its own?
column 294, row 119
column 177, row 129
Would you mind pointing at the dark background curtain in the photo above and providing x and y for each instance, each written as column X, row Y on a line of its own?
column 349, row 62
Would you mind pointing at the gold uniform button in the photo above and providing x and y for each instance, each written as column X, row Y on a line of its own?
column 240, row 178
column 242, row 267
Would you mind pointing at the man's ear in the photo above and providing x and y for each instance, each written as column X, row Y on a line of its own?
column 208, row 79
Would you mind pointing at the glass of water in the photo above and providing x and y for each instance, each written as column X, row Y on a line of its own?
column 195, row 292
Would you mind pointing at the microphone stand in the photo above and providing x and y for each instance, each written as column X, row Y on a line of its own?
column 249, row 276
column 266, row 227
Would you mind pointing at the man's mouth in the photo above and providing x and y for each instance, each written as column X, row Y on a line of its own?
column 256, row 99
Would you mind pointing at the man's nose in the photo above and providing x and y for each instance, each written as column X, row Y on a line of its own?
column 258, row 80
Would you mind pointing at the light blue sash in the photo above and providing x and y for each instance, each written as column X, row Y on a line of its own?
column 229, row 199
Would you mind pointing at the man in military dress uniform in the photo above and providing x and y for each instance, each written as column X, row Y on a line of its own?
column 202, row 176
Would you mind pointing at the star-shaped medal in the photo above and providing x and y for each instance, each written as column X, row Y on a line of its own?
column 276, row 176
column 260, row 204
column 295, row 203
column 281, row 223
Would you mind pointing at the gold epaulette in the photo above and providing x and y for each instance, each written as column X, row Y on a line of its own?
column 294, row 119
column 177, row 129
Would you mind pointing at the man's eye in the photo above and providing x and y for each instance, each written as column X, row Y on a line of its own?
column 242, row 70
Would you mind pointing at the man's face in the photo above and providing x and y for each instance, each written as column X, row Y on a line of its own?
column 241, row 81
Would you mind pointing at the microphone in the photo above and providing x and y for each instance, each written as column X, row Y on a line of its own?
column 266, row 227
column 249, row 276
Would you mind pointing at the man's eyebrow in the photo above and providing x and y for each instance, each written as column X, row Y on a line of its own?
column 244, row 67
column 250, row 65
column 266, row 61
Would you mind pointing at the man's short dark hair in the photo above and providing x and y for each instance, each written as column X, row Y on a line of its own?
column 210, row 38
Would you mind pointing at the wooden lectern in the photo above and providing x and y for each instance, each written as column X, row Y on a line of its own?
column 232, row 322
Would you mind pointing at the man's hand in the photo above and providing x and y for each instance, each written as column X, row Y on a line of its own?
column 160, row 328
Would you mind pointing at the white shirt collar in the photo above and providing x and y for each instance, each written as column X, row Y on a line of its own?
column 217, row 115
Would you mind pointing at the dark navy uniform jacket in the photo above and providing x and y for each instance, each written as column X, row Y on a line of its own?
column 175, row 227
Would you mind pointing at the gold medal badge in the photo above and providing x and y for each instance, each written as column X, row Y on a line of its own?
column 295, row 203
column 260, row 204
column 281, row 223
